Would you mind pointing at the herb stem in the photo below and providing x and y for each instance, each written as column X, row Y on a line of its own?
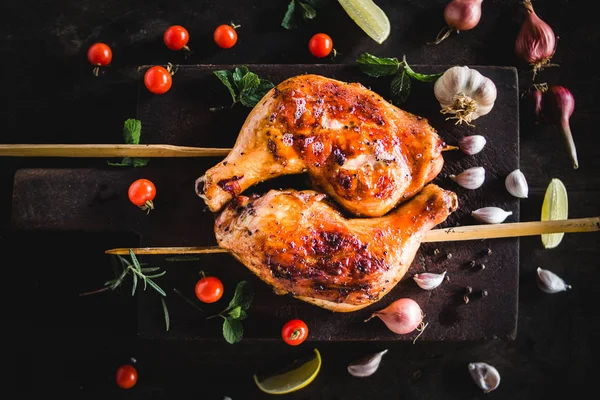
column 104, row 289
column 190, row 302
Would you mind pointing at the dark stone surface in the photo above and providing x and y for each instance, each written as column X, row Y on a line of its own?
column 60, row 343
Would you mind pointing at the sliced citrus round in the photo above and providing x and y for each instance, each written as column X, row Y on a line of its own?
column 555, row 207
column 369, row 17
column 295, row 377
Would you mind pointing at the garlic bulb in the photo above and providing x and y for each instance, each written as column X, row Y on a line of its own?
column 472, row 144
column 516, row 184
column 549, row 282
column 471, row 178
column 485, row 376
column 367, row 365
column 466, row 93
column 429, row 281
column 490, row 215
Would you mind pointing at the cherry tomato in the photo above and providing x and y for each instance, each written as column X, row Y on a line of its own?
column 294, row 332
column 209, row 289
column 158, row 79
column 141, row 193
column 127, row 376
column 225, row 36
column 176, row 38
column 99, row 54
column 320, row 45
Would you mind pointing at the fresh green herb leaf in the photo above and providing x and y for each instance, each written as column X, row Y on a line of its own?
column 238, row 75
column 132, row 131
column 243, row 296
column 155, row 286
column 226, row 78
column 135, row 261
column 166, row 313
column 400, row 88
column 252, row 99
column 156, row 275
column 248, row 85
column 288, row 21
column 182, row 258
column 308, row 12
column 130, row 162
column 377, row 66
column 134, row 286
column 232, row 330
column 243, row 315
column 235, row 312
column 149, row 269
column 420, row 77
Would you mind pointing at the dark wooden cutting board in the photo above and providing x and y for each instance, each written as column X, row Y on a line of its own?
column 43, row 200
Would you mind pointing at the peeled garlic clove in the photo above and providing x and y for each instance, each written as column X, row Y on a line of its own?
column 366, row 366
column 485, row 376
column 549, row 282
column 472, row 144
column 429, row 281
column 516, row 184
column 471, row 178
column 490, row 215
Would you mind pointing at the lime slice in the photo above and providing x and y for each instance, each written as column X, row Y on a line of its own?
column 369, row 17
column 555, row 207
column 296, row 376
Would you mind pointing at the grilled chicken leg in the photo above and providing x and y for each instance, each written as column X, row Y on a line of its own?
column 299, row 244
column 365, row 153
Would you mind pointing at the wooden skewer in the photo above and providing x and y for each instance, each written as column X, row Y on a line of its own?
column 116, row 150
column 472, row 232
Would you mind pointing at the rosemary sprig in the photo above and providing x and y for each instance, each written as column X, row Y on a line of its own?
column 137, row 272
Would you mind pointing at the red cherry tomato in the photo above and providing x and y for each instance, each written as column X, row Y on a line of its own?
column 225, row 36
column 141, row 193
column 320, row 45
column 99, row 54
column 158, row 79
column 294, row 332
column 127, row 376
column 176, row 38
column 209, row 289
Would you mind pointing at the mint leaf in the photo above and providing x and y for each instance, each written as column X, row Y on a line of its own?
column 421, row 77
column 238, row 75
column 288, row 19
column 130, row 162
column 132, row 130
column 235, row 312
column 243, row 315
column 400, row 88
column 377, row 66
column 232, row 330
column 251, row 99
column 308, row 12
column 226, row 78
column 242, row 297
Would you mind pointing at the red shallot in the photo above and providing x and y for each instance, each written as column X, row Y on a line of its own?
column 558, row 104
column 401, row 317
column 460, row 15
column 536, row 42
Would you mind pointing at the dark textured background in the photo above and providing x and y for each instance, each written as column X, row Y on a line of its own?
column 60, row 344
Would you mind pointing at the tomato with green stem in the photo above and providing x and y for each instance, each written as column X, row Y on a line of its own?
column 141, row 193
column 176, row 38
column 158, row 80
column 225, row 36
column 209, row 289
column 294, row 332
column 99, row 55
column 127, row 376
column 320, row 45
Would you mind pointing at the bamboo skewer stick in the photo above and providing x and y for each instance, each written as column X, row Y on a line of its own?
column 472, row 232
column 116, row 150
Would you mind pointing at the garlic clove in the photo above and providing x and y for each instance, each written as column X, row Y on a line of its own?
column 471, row 178
column 490, row 215
column 366, row 366
column 429, row 281
column 472, row 144
column 485, row 376
column 549, row 282
column 516, row 184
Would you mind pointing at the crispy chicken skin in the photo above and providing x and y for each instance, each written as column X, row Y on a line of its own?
column 365, row 153
column 298, row 243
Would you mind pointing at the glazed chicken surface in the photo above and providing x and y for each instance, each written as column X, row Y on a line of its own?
column 365, row 153
column 298, row 243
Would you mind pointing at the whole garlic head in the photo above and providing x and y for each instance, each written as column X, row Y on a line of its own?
column 466, row 93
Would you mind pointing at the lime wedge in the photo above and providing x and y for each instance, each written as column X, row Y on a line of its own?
column 555, row 207
column 369, row 17
column 296, row 376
